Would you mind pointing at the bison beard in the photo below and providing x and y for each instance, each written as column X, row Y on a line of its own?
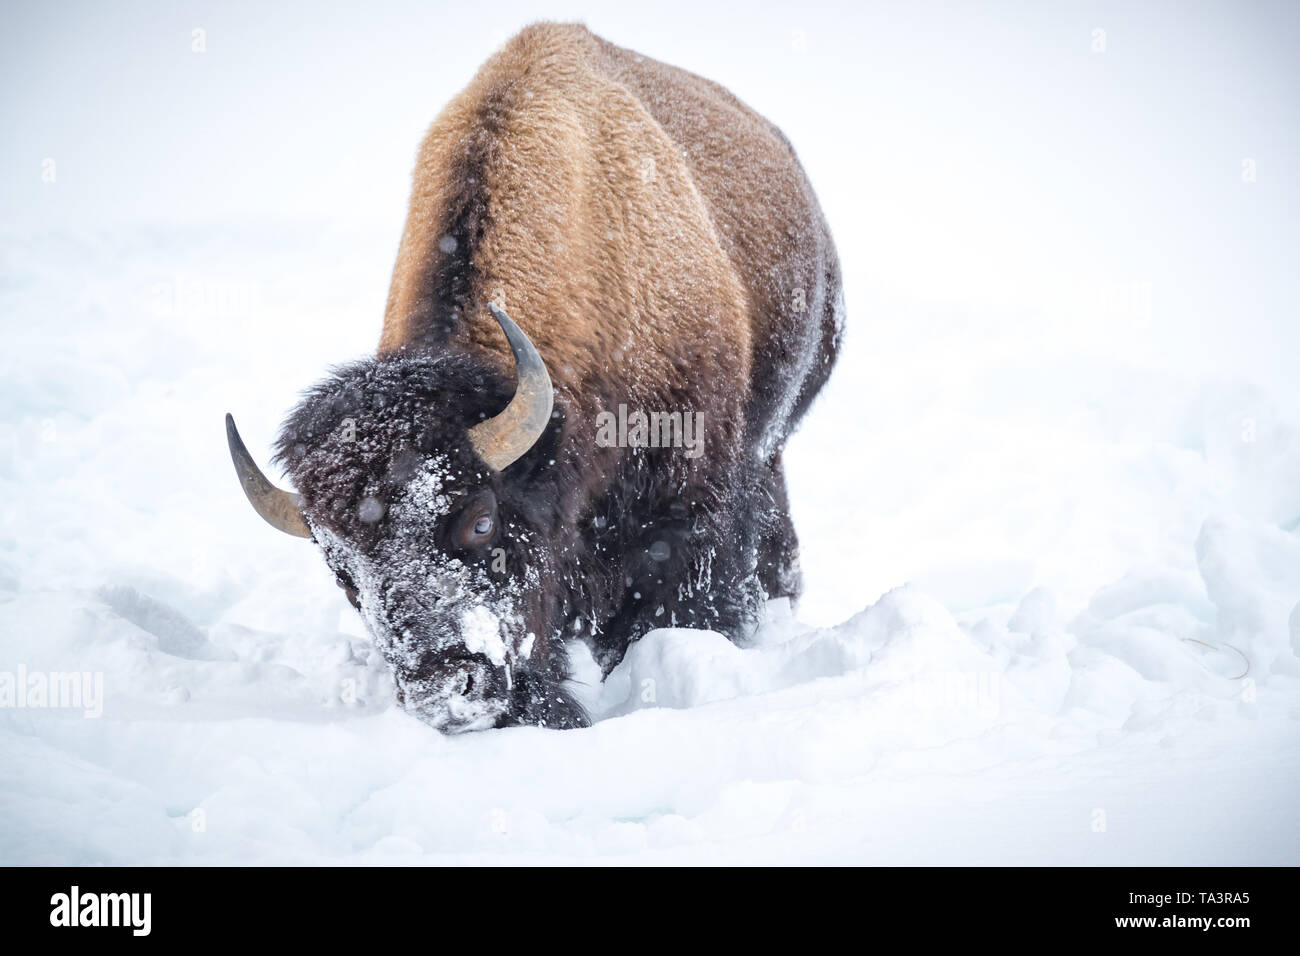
column 710, row 288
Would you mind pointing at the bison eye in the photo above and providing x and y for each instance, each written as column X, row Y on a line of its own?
column 476, row 523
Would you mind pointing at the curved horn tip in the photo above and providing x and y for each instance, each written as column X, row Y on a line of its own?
column 280, row 509
column 505, row 438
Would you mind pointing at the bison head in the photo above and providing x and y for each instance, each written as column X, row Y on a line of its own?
column 439, row 514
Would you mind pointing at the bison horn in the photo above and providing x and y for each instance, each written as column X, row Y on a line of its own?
column 281, row 509
column 505, row 438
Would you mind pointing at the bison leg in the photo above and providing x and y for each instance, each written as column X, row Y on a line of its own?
column 778, row 546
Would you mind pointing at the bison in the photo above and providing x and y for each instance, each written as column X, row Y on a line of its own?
column 665, row 258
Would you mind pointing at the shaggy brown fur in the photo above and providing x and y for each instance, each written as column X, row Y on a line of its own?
column 632, row 217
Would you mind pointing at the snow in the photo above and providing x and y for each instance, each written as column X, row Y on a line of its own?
column 1049, row 504
column 481, row 630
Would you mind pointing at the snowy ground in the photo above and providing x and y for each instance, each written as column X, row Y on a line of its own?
column 1050, row 508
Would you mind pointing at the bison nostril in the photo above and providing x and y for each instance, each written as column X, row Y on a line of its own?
column 469, row 678
column 456, row 692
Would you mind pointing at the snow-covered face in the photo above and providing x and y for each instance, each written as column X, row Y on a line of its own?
column 435, row 591
column 445, row 558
